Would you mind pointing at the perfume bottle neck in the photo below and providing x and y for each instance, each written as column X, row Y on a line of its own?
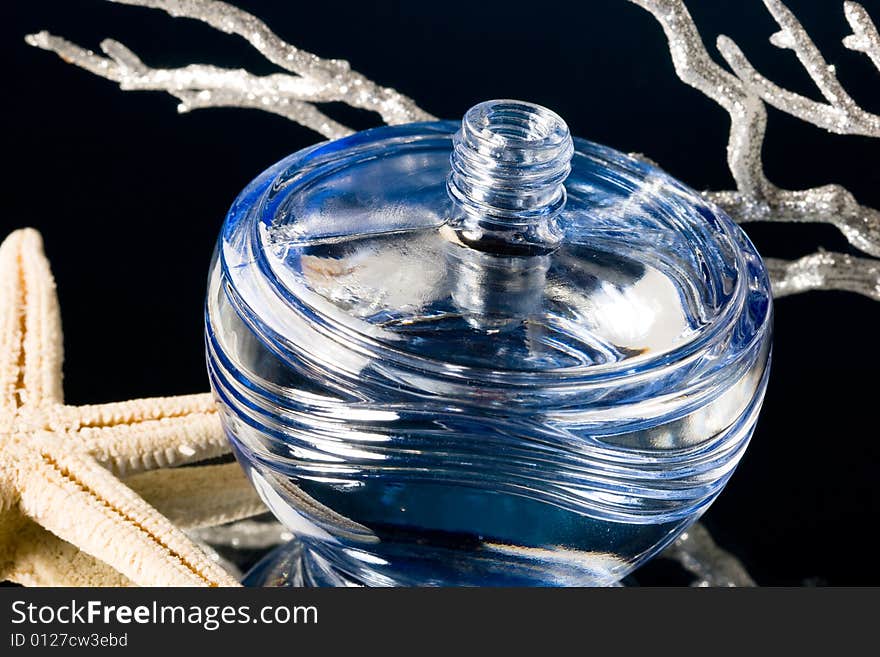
column 509, row 163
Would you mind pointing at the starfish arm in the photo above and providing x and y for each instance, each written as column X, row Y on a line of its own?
column 43, row 559
column 144, row 434
column 191, row 498
column 201, row 496
column 138, row 410
column 111, row 522
column 30, row 325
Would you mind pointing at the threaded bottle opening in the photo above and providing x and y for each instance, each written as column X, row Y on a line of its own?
column 509, row 162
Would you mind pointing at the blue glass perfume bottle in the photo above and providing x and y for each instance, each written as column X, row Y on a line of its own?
column 482, row 353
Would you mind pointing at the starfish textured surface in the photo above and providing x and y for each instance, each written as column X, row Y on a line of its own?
column 64, row 516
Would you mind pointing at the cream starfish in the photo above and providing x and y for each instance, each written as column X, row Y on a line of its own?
column 65, row 518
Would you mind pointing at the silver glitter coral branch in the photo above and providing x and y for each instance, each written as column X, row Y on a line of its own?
column 865, row 37
column 743, row 94
column 825, row 271
column 313, row 80
column 841, row 114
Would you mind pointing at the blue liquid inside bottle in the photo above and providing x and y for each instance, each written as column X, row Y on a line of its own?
column 482, row 354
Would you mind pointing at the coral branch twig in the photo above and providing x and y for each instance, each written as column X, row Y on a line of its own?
column 743, row 95
column 865, row 37
column 825, row 271
column 841, row 114
column 292, row 95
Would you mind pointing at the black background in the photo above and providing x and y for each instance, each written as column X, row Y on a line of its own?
column 130, row 196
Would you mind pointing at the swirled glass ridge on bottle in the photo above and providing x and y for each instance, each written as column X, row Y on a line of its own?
column 440, row 366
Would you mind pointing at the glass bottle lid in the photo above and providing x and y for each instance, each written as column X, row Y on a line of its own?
column 498, row 244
